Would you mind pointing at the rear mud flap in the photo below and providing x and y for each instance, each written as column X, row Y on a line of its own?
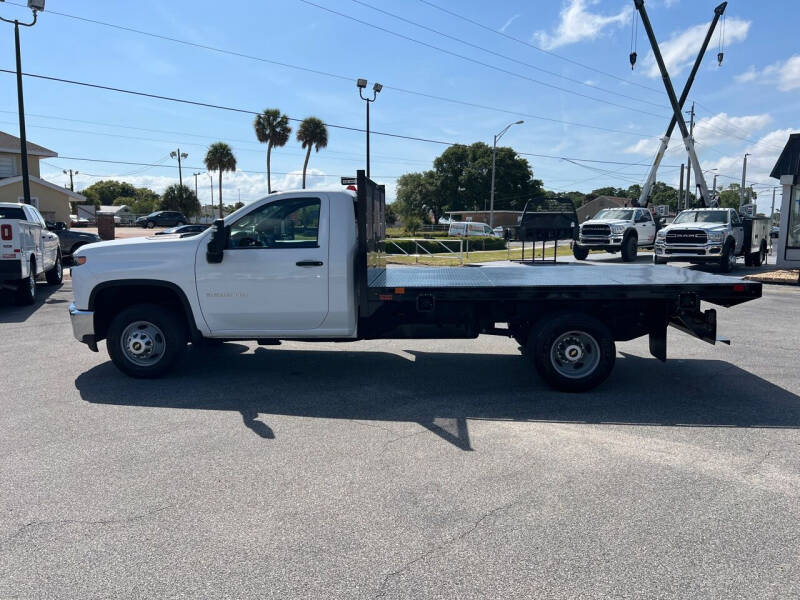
column 700, row 325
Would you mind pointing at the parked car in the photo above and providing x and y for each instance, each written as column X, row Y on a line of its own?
column 774, row 232
column 76, row 221
column 183, row 230
column 713, row 235
column 28, row 251
column 162, row 218
column 616, row 229
column 470, row 229
column 69, row 240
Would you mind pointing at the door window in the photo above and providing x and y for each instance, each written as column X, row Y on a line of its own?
column 291, row 223
column 735, row 219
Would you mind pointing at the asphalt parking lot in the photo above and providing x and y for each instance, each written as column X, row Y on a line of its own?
column 398, row 469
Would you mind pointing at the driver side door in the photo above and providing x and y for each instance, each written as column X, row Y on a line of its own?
column 645, row 227
column 273, row 279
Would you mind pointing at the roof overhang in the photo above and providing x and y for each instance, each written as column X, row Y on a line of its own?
column 42, row 182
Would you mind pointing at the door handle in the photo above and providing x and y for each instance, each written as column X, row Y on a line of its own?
column 309, row 263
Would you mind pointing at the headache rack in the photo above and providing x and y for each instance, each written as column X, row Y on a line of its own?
column 544, row 220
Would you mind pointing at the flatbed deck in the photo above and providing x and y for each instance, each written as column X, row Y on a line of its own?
column 561, row 281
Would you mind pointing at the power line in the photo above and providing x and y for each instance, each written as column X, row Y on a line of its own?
column 476, row 61
column 255, row 112
column 324, row 73
column 529, row 45
column 504, row 56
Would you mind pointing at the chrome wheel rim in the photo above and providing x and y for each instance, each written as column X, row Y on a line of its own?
column 32, row 282
column 143, row 343
column 59, row 268
column 575, row 354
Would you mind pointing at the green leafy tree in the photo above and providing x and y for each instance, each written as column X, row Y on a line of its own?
column 144, row 201
column 418, row 196
column 578, row 198
column 105, row 192
column 311, row 133
column 412, row 225
column 391, row 214
column 731, row 197
column 220, row 158
column 272, row 128
column 237, row 206
column 180, row 198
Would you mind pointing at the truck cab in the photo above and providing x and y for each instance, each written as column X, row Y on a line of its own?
column 622, row 230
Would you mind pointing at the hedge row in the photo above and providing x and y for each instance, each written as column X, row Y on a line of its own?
column 475, row 244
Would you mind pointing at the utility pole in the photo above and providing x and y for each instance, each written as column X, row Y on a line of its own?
column 680, row 192
column 71, row 173
column 689, row 166
column 744, row 178
column 195, row 183
column 179, row 155
column 35, row 6
column 211, row 183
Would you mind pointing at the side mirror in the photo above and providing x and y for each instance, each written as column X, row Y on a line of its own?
column 219, row 239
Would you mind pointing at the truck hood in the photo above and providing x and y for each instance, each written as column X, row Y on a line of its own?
column 605, row 222
column 137, row 245
column 703, row 226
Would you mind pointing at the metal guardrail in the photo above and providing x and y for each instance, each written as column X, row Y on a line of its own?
column 449, row 252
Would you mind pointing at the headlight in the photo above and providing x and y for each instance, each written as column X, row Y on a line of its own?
column 618, row 228
column 715, row 236
column 662, row 233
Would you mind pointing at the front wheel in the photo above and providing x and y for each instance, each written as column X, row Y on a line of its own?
column 56, row 273
column 629, row 249
column 659, row 261
column 727, row 259
column 760, row 257
column 145, row 340
column 579, row 252
column 572, row 352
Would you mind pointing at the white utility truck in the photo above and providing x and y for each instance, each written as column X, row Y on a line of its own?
column 622, row 230
column 308, row 265
column 29, row 250
column 713, row 235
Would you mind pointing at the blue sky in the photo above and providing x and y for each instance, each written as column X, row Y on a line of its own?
column 750, row 104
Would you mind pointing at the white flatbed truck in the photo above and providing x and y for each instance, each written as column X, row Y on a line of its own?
column 308, row 265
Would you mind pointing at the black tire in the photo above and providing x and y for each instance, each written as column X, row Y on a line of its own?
column 659, row 261
column 56, row 273
column 760, row 257
column 748, row 259
column 584, row 335
column 579, row 252
column 629, row 248
column 150, row 225
column 168, row 340
column 25, row 294
column 727, row 260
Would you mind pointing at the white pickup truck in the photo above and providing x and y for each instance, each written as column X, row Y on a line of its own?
column 622, row 230
column 308, row 265
column 29, row 250
column 713, row 235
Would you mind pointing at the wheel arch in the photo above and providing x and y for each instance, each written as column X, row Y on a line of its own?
column 110, row 297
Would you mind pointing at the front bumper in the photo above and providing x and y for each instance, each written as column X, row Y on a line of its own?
column 709, row 251
column 83, row 326
column 600, row 241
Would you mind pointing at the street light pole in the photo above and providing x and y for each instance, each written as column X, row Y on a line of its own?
column 211, row 183
column 195, row 183
column 361, row 84
column 179, row 155
column 494, row 160
column 744, row 177
column 35, row 6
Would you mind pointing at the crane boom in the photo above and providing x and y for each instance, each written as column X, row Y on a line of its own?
column 677, row 106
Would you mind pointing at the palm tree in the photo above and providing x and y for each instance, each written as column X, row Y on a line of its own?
column 220, row 158
column 312, row 132
column 272, row 128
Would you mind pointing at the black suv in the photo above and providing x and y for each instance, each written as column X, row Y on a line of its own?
column 162, row 218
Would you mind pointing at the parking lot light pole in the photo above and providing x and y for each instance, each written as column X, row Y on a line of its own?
column 35, row 6
column 494, row 159
column 361, row 84
column 179, row 155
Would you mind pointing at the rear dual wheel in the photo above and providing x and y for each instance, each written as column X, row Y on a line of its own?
column 572, row 352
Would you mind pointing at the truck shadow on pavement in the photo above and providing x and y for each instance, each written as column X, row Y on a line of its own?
column 10, row 312
column 442, row 391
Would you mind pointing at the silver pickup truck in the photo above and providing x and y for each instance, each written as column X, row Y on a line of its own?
column 713, row 235
column 622, row 230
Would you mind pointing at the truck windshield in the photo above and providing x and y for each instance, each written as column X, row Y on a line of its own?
column 702, row 216
column 615, row 213
column 12, row 212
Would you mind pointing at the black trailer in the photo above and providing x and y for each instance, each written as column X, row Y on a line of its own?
column 566, row 318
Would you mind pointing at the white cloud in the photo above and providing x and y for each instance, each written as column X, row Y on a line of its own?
column 784, row 75
column 509, row 22
column 577, row 24
column 680, row 50
column 721, row 127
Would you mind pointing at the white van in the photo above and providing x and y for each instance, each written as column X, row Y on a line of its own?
column 469, row 229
